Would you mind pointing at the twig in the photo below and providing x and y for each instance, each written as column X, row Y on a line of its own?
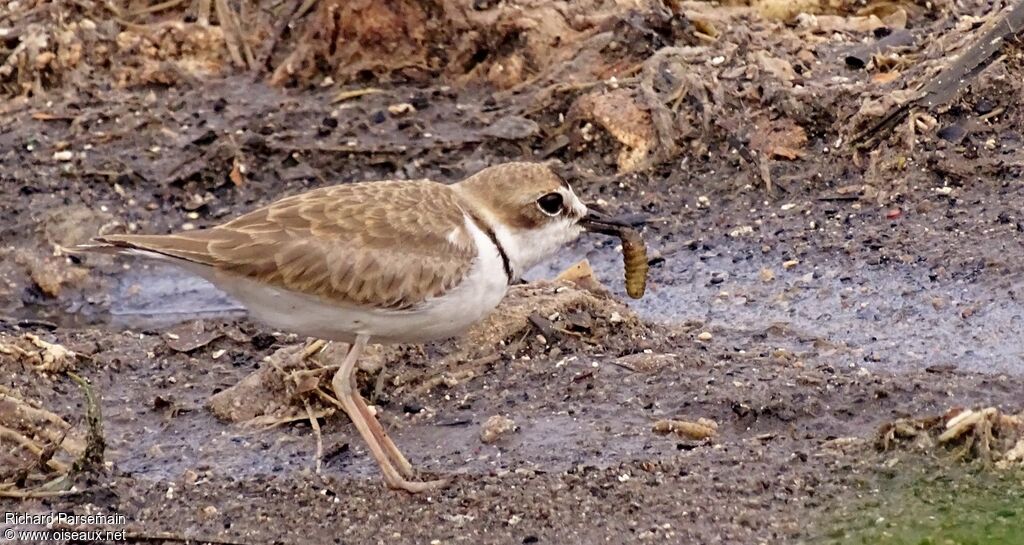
column 316, row 431
column 313, row 348
column 237, row 45
column 764, row 170
column 27, row 494
column 31, row 446
column 284, row 23
column 306, row 6
column 354, row 93
column 28, row 413
column 466, row 371
column 269, row 422
column 203, row 12
column 156, row 7
column 950, row 82
column 92, row 457
column 328, row 398
column 113, row 8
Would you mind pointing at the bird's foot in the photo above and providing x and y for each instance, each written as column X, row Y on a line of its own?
column 414, row 487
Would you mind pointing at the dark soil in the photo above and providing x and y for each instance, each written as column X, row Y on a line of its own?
column 862, row 288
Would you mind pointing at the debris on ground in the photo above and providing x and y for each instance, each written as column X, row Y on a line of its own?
column 619, row 113
column 984, row 434
column 191, row 335
column 287, row 381
column 293, row 376
column 582, row 276
column 38, row 354
column 51, row 274
column 45, row 452
column 37, row 431
column 703, row 428
column 496, row 427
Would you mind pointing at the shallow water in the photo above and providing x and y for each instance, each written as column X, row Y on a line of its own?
column 878, row 316
column 887, row 316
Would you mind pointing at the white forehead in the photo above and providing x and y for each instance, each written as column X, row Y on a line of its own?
column 573, row 202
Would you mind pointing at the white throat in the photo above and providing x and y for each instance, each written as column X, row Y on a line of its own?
column 527, row 248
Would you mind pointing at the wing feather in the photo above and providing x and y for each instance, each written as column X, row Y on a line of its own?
column 388, row 244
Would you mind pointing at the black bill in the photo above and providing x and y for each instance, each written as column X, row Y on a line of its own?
column 598, row 222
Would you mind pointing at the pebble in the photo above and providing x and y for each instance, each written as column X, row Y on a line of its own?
column 741, row 231
column 790, row 264
column 705, row 336
column 496, row 427
column 401, row 109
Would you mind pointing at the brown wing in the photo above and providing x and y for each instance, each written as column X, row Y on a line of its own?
column 382, row 244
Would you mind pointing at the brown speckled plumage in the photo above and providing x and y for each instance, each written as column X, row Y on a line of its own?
column 389, row 244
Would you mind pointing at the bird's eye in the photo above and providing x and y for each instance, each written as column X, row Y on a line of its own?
column 550, row 204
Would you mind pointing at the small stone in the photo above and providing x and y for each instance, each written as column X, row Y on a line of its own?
column 705, row 336
column 401, row 109
column 767, row 275
column 743, row 230
column 790, row 264
column 496, row 427
column 65, row 155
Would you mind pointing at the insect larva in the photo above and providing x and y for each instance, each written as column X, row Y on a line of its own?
column 634, row 254
column 703, row 428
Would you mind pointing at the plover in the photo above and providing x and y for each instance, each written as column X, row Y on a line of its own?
column 382, row 262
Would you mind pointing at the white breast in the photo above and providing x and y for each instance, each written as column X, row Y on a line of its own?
column 441, row 317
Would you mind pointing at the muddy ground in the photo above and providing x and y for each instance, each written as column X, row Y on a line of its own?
column 859, row 288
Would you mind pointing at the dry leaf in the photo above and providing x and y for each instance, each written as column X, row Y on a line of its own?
column 236, row 175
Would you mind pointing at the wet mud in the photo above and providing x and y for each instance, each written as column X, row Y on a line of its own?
column 800, row 319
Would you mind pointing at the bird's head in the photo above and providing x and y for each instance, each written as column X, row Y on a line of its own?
column 531, row 210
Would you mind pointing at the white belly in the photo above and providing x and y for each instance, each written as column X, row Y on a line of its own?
column 446, row 316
